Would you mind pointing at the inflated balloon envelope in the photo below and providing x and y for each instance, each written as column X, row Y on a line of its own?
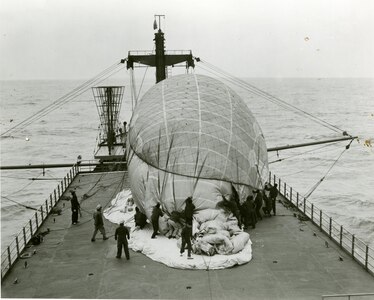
column 192, row 135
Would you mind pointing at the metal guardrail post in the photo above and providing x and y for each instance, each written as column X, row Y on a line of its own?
column 311, row 215
column 285, row 190
column 54, row 192
column 24, row 235
column 17, row 245
column 30, row 227
column 58, row 191
column 330, row 227
column 9, row 257
column 297, row 199
column 304, row 206
column 320, row 220
column 41, row 210
column 36, row 219
column 279, row 184
column 270, row 177
column 274, row 179
column 50, row 201
column 341, row 236
column 366, row 257
column 291, row 194
column 65, row 182
column 353, row 245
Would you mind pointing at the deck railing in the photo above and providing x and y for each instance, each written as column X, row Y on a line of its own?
column 350, row 296
column 18, row 245
column 347, row 241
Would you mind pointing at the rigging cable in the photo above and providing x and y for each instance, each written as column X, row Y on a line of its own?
column 141, row 85
column 302, row 153
column 18, row 203
column 54, row 107
column 307, row 195
column 254, row 90
column 64, row 99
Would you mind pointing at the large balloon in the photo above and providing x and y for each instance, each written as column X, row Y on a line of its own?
column 192, row 135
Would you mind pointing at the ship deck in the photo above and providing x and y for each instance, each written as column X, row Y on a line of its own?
column 289, row 261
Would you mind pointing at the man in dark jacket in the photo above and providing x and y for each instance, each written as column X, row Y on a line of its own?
column 258, row 203
column 248, row 213
column 75, row 208
column 273, row 197
column 140, row 218
column 99, row 223
column 186, row 240
column 121, row 235
column 156, row 213
column 189, row 210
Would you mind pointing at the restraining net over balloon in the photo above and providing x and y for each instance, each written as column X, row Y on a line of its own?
column 191, row 122
column 193, row 136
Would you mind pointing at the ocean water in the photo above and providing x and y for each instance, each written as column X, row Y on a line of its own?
column 346, row 193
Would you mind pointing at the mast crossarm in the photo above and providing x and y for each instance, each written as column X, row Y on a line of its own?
column 150, row 60
column 311, row 143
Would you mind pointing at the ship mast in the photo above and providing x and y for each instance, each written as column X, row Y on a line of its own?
column 160, row 59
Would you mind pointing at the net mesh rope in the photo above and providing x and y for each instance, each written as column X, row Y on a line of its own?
column 196, row 126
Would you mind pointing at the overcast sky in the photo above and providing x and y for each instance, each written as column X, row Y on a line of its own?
column 51, row 39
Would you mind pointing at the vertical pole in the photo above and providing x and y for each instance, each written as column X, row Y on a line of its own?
column 320, row 220
column 311, row 214
column 366, row 257
column 46, row 206
column 279, row 184
column 304, row 206
column 9, row 258
column 54, row 192
column 36, row 218
column 341, row 236
column 330, row 227
column 65, row 182
column 24, row 235
column 71, row 178
column 270, row 177
column 31, row 228
column 41, row 210
column 274, row 179
column 50, row 200
column 58, row 191
column 353, row 245
column 291, row 194
column 17, row 245
column 297, row 200
column 285, row 190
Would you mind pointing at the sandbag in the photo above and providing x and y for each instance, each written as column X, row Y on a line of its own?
column 238, row 241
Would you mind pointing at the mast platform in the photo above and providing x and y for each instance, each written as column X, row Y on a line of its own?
column 289, row 262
